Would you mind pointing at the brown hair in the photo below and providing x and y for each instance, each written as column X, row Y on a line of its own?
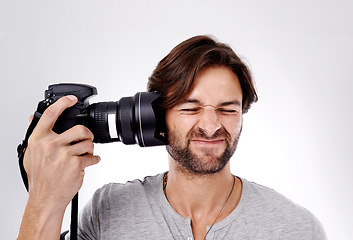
column 175, row 73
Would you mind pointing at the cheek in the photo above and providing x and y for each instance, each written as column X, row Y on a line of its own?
column 233, row 126
column 169, row 120
column 178, row 123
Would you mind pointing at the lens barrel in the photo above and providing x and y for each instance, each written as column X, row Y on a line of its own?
column 131, row 120
column 99, row 114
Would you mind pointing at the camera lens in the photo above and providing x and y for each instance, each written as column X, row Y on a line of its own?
column 99, row 115
column 131, row 120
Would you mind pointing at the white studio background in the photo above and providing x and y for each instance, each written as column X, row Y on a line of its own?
column 296, row 139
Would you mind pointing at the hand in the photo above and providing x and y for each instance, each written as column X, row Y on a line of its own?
column 55, row 166
column 55, row 163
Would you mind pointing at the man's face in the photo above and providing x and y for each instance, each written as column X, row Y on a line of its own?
column 204, row 128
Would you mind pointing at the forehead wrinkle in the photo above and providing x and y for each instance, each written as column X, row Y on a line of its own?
column 235, row 102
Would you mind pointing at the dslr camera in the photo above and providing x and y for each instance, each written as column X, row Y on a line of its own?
column 131, row 120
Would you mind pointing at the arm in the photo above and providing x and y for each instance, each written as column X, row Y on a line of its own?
column 55, row 166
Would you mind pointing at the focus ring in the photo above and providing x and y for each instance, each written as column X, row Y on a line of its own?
column 126, row 120
column 100, row 116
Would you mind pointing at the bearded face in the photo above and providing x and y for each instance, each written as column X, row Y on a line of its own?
column 207, row 161
column 204, row 127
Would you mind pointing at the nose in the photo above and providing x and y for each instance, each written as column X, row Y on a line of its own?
column 209, row 120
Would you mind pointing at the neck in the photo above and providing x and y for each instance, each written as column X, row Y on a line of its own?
column 201, row 197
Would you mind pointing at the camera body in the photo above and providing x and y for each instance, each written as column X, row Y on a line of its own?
column 131, row 120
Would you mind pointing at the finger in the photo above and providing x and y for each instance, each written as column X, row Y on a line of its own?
column 89, row 160
column 76, row 134
column 51, row 114
column 81, row 148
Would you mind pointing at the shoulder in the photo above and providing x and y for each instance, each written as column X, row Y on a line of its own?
column 120, row 193
column 277, row 210
column 264, row 195
column 116, row 207
column 270, row 201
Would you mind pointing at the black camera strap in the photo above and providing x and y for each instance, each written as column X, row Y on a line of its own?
column 20, row 153
column 22, row 147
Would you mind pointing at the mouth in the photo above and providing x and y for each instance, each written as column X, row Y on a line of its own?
column 208, row 142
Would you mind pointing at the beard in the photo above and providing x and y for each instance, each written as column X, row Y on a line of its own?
column 209, row 162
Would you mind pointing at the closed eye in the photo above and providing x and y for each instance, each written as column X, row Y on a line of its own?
column 224, row 111
column 190, row 110
column 227, row 111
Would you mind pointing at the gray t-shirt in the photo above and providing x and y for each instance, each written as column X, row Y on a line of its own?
column 139, row 210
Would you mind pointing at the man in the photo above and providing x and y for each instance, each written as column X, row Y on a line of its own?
column 205, row 88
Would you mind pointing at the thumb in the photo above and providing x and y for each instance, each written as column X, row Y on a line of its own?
column 89, row 160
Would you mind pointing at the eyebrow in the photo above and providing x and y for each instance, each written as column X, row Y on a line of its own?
column 191, row 100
